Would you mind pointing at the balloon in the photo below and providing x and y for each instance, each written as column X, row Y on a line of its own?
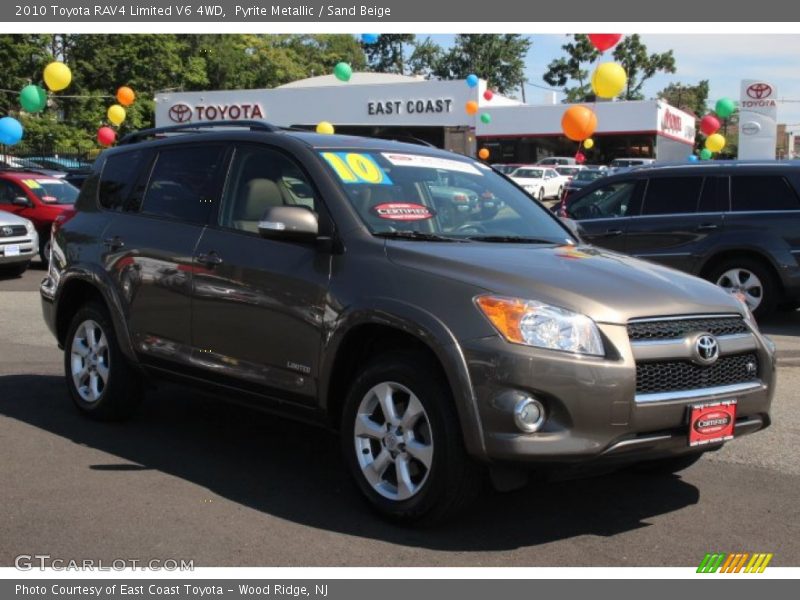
column 588, row 143
column 705, row 154
column 324, row 128
column 725, row 107
column 472, row 80
column 471, row 107
column 369, row 38
column 10, row 131
column 715, row 142
column 343, row 71
column 33, row 98
column 709, row 124
column 604, row 41
column 488, row 95
column 116, row 114
column 125, row 96
column 692, row 158
column 106, row 136
column 483, row 153
column 578, row 123
column 609, row 80
column 57, row 76
column 486, row 118
column 580, row 158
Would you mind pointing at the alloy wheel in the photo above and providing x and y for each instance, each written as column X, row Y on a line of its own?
column 743, row 283
column 90, row 361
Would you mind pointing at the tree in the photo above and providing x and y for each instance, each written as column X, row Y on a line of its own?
column 640, row 66
column 386, row 55
column 562, row 71
column 690, row 98
column 426, row 58
column 500, row 59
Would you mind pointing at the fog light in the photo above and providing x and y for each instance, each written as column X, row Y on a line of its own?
column 529, row 415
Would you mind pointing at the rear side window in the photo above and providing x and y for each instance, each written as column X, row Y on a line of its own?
column 672, row 195
column 118, row 178
column 762, row 192
column 185, row 183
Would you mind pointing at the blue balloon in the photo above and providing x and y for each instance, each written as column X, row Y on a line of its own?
column 10, row 131
column 472, row 80
column 369, row 38
column 693, row 158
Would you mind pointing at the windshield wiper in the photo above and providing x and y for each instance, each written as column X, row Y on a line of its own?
column 510, row 239
column 417, row 235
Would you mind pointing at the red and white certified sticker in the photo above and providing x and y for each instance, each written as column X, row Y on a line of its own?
column 711, row 423
column 402, row 211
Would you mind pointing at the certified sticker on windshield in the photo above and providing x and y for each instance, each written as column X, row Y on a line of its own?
column 402, row 211
column 429, row 162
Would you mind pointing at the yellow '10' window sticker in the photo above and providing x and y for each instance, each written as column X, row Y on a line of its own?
column 31, row 183
column 356, row 167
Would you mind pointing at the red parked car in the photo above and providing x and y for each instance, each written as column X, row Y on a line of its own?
column 37, row 197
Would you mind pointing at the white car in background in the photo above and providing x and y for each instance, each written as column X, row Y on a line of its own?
column 566, row 173
column 539, row 182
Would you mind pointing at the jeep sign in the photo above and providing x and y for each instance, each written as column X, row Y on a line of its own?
column 758, row 118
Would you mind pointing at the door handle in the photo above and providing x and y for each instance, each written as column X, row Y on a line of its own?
column 211, row 259
column 612, row 232
column 706, row 227
column 114, row 243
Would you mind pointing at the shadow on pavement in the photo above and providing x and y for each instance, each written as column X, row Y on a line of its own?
column 293, row 471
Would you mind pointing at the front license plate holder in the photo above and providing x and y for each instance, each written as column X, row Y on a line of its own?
column 11, row 250
column 712, row 422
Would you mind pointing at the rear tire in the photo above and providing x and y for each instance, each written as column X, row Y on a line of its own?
column 541, row 195
column 753, row 278
column 411, row 467
column 100, row 381
column 668, row 466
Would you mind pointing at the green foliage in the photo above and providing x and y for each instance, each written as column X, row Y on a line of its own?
column 639, row 65
column 387, row 54
column 691, row 98
column 570, row 69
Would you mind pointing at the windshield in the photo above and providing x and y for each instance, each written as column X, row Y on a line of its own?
column 528, row 173
column 588, row 175
column 417, row 197
column 52, row 191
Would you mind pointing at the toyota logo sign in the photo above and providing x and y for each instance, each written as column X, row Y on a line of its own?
column 180, row 113
column 757, row 91
column 706, row 349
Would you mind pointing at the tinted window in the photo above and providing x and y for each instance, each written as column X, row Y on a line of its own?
column 613, row 200
column 8, row 191
column 672, row 195
column 184, row 183
column 259, row 179
column 714, row 197
column 762, row 192
column 117, row 180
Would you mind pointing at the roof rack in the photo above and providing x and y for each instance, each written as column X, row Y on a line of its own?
column 137, row 136
column 409, row 139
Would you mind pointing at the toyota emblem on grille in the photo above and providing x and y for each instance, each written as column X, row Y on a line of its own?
column 757, row 91
column 180, row 113
column 706, row 349
column 7, row 231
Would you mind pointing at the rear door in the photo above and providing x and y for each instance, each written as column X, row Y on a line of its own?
column 603, row 213
column 679, row 217
column 159, row 213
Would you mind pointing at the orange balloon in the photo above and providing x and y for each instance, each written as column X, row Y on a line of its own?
column 578, row 123
column 125, row 96
column 471, row 107
column 483, row 153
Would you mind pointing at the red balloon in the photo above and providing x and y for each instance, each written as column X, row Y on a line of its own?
column 488, row 95
column 580, row 158
column 106, row 136
column 604, row 41
column 709, row 124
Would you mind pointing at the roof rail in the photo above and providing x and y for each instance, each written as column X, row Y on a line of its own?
column 408, row 139
column 137, row 136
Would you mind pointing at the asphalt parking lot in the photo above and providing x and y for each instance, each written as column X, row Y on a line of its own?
column 190, row 477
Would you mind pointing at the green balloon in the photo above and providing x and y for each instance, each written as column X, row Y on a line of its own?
column 343, row 71
column 486, row 118
column 725, row 107
column 33, row 98
column 705, row 154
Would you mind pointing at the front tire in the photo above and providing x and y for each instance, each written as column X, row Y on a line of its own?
column 100, row 381
column 402, row 442
column 751, row 278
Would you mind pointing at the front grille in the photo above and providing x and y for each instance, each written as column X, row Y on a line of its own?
column 678, row 328
column 679, row 375
column 15, row 230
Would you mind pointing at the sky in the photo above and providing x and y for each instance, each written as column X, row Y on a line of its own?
column 723, row 59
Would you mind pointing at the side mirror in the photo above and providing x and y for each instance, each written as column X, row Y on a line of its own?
column 21, row 201
column 289, row 223
column 573, row 226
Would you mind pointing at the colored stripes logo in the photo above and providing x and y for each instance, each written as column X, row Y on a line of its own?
column 737, row 562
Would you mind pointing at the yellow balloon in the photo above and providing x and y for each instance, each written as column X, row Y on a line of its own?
column 588, row 143
column 325, row 128
column 116, row 114
column 57, row 76
column 609, row 79
column 715, row 142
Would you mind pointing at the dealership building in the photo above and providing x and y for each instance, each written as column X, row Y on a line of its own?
column 398, row 106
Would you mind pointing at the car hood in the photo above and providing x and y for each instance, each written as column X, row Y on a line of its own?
column 528, row 180
column 608, row 287
column 7, row 218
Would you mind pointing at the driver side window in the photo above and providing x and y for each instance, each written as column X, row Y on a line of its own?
column 8, row 191
column 609, row 201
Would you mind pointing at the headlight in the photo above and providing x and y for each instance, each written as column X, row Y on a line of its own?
column 29, row 226
column 536, row 324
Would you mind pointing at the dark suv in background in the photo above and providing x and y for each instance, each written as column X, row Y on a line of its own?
column 312, row 276
column 733, row 223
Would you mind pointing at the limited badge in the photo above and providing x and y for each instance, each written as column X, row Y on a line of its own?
column 402, row 211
